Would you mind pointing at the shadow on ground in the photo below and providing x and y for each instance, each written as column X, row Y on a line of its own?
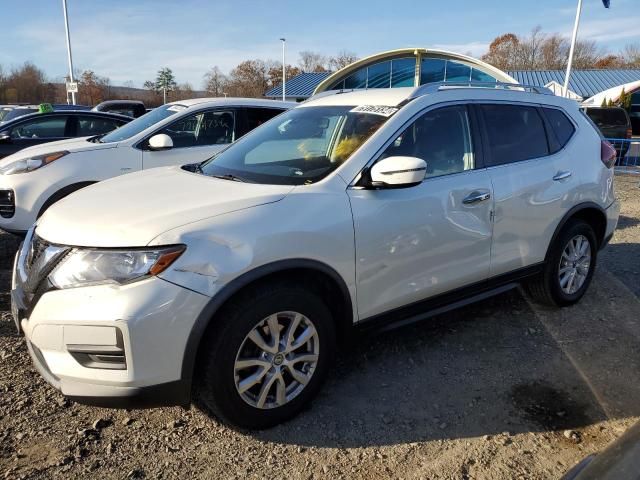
column 482, row 370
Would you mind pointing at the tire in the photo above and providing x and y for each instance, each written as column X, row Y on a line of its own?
column 217, row 380
column 547, row 288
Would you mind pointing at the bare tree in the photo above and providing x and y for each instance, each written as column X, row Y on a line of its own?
column 342, row 59
column 215, row 82
column 587, row 54
column 631, row 55
column 93, row 89
column 312, row 61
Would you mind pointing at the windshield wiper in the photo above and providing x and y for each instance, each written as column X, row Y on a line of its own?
column 229, row 176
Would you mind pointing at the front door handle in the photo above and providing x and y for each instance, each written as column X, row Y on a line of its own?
column 476, row 197
column 562, row 175
column 125, row 169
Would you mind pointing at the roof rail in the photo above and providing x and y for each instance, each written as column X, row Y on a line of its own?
column 437, row 86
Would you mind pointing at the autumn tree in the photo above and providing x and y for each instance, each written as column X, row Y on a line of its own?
column 312, row 61
column 215, row 82
column 250, row 78
column 275, row 73
column 504, row 52
column 342, row 59
column 92, row 89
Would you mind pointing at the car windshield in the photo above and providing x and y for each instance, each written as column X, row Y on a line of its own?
column 141, row 123
column 300, row 146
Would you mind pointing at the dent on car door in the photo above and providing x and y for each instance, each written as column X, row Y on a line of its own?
column 195, row 138
column 417, row 242
column 533, row 181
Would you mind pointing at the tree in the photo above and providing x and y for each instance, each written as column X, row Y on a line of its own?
column 250, row 78
column 609, row 61
column 275, row 74
column 504, row 52
column 215, row 82
column 92, row 88
column 631, row 55
column 165, row 82
column 342, row 59
column 312, row 61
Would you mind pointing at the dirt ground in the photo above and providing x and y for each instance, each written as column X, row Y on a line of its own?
column 501, row 389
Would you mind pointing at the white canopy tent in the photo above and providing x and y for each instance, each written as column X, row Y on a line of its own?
column 560, row 91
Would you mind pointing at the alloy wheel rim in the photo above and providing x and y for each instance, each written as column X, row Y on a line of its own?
column 575, row 264
column 276, row 360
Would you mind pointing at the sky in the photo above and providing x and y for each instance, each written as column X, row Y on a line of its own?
column 129, row 40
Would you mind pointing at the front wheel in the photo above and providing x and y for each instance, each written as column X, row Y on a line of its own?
column 569, row 267
column 268, row 357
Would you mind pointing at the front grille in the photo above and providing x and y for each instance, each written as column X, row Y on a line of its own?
column 42, row 257
column 7, row 203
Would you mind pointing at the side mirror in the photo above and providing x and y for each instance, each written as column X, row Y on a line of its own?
column 398, row 172
column 161, row 141
column 5, row 136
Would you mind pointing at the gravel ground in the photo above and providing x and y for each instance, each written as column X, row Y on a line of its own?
column 500, row 389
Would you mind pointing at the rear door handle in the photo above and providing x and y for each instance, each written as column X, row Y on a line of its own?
column 125, row 169
column 562, row 175
column 476, row 197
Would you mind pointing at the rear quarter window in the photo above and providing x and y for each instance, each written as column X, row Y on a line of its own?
column 561, row 127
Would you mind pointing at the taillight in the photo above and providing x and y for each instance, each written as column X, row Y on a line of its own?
column 608, row 154
column 629, row 133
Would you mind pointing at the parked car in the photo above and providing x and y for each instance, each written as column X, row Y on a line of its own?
column 619, row 461
column 60, row 107
column 613, row 123
column 131, row 108
column 37, row 128
column 177, row 133
column 240, row 275
column 8, row 113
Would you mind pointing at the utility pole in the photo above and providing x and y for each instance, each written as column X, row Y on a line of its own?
column 574, row 38
column 66, row 27
column 284, row 71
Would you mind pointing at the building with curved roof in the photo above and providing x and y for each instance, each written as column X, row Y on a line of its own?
column 410, row 67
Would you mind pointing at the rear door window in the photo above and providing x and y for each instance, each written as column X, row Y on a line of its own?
column 515, row 133
column 560, row 125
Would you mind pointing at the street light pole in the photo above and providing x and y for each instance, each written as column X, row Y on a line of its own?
column 66, row 27
column 284, row 71
column 574, row 37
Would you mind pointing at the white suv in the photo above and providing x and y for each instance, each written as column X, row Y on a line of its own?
column 176, row 133
column 238, row 277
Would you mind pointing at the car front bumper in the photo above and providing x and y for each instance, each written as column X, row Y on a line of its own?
column 143, row 325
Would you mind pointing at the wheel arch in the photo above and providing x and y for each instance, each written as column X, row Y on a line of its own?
column 63, row 192
column 309, row 271
column 590, row 212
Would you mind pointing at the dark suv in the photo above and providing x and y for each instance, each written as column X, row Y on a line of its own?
column 613, row 123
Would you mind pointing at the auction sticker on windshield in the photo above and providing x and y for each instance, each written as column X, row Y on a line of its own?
column 375, row 109
column 176, row 108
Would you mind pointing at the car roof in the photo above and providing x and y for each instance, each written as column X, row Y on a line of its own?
column 397, row 96
column 233, row 101
column 66, row 112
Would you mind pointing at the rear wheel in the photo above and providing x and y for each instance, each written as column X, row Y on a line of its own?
column 268, row 357
column 569, row 267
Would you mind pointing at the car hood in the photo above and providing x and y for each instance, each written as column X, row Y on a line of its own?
column 131, row 210
column 72, row 145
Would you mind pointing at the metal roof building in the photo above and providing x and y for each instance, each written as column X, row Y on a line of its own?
column 299, row 87
column 585, row 83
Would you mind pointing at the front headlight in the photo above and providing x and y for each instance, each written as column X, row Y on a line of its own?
column 83, row 267
column 30, row 164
